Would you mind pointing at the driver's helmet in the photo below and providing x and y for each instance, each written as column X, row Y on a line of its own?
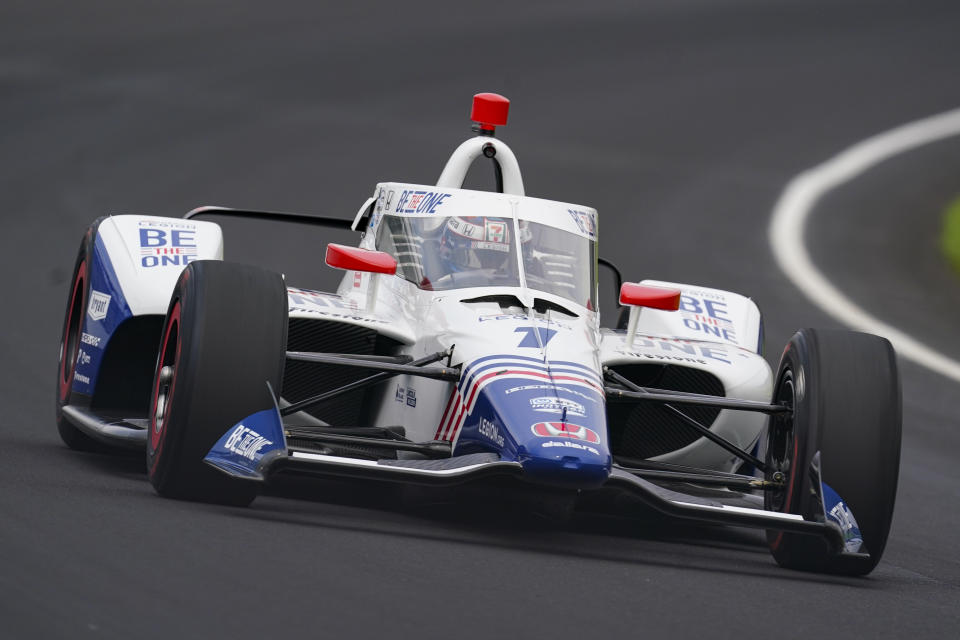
column 476, row 242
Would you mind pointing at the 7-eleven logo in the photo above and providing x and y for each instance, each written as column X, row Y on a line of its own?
column 496, row 232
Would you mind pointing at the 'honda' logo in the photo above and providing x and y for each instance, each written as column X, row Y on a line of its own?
column 565, row 430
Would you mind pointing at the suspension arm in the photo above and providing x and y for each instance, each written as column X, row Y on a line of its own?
column 640, row 393
column 437, row 373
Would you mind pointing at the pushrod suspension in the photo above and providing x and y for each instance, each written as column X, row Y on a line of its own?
column 413, row 369
column 362, row 383
column 640, row 393
column 744, row 483
column 694, row 399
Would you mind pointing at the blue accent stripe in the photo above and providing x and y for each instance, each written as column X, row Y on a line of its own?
column 528, row 359
column 551, row 371
column 473, row 371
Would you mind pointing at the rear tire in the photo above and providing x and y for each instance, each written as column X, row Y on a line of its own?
column 73, row 323
column 224, row 338
column 844, row 389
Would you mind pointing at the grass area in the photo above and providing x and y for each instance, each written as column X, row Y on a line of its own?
column 950, row 237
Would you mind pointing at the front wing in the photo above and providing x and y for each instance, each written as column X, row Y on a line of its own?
column 256, row 449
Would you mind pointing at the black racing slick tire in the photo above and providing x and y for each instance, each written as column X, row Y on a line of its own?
column 844, row 389
column 223, row 339
column 70, row 336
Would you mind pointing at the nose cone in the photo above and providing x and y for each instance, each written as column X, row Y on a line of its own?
column 549, row 417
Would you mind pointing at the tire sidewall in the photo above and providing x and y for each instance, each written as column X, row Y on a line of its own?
column 797, row 364
column 847, row 407
column 231, row 341
column 164, row 444
column 69, row 345
column 67, row 361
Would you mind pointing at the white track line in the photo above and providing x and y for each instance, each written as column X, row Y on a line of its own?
column 789, row 220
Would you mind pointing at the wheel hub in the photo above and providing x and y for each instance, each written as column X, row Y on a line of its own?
column 164, row 378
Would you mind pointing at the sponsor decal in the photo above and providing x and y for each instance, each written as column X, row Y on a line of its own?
column 496, row 232
column 246, row 442
column 492, row 246
column 408, row 395
column 490, row 235
column 709, row 316
column 344, row 316
column 82, row 357
column 566, row 444
column 304, row 301
column 550, row 387
column 304, row 298
column 420, row 201
column 171, row 223
column 843, row 516
column 489, row 430
column 661, row 357
column 553, row 404
column 586, row 222
column 492, row 317
column 99, row 304
column 564, row 430
column 499, row 368
column 704, row 293
column 666, row 349
column 164, row 244
column 501, row 316
column 838, row 511
column 465, row 229
column 245, row 445
column 93, row 341
column 81, row 378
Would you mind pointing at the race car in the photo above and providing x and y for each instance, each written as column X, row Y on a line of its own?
column 464, row 347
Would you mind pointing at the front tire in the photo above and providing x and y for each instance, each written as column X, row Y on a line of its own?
column 73, row 325
column 844, row 390
column 224, row 338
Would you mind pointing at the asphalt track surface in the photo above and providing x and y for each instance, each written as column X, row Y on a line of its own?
column 680, row 121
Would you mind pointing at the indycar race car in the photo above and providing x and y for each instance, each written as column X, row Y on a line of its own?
column 464, row 346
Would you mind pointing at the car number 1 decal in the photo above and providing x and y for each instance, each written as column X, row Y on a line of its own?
column 530, row 336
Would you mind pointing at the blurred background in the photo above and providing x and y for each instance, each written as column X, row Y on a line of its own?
column 681, row 121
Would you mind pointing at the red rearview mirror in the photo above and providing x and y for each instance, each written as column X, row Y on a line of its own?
column 641, row 295
column 340, row 256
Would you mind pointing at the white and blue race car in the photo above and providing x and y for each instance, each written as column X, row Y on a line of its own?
column 464, row 346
